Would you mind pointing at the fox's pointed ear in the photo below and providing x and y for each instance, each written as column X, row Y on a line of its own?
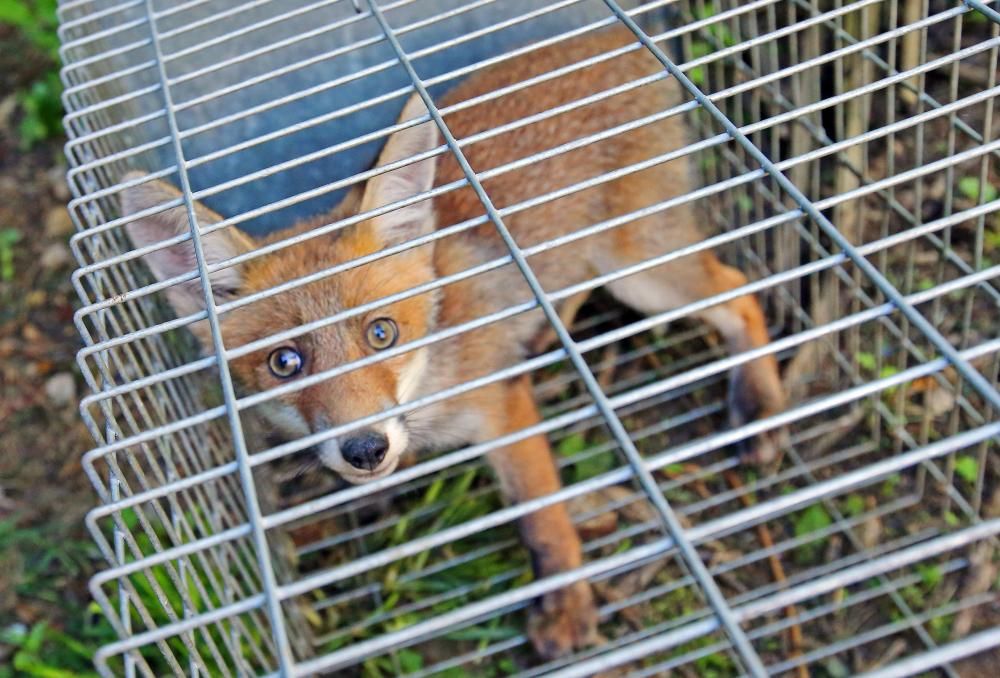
column 175, row 260
column 413, row 220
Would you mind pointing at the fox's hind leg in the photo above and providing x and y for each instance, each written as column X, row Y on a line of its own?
column 755, row 389
column 565, row 619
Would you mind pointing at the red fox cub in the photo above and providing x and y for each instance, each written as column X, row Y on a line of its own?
column 565, row 619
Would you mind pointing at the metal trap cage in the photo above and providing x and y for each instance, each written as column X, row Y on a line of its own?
column 847, row 159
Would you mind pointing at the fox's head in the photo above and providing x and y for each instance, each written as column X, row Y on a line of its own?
column 362, row 454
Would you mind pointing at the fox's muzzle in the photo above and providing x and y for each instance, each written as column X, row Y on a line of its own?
column 365, row 450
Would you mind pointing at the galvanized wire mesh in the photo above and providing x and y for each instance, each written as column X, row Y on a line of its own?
column 847, row 156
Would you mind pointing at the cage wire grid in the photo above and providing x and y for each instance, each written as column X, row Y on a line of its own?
column 845, row 153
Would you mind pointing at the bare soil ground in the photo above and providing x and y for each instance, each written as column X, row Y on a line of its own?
column 45, row 557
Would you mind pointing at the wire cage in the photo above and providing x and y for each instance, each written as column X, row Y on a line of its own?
column 845, row 160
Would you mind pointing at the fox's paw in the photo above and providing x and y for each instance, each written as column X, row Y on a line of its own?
column 755, row 392
column 764, row 448
column 563, row 621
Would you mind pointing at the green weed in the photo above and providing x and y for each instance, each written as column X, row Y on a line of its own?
column 699, row 49
column 40, row 101
column 714, row 665
column 9, row 237
column 854, row 505
column 974, row 16
column 44, row 652
column 930, row 575
column 723, row 36
column 916, row 595
column 166, row 594
column 812, row 519
column 972, row 189
column 940, row 628
column 458, row 499
column 991, row 238
column 588, row 461
column 36, row 19
column 967, row 468
column 890, row 484
column 835, row 668
column 866, row 361
column 43, row 110
column 48, row 565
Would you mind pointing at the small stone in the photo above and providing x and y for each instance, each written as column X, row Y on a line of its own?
column 602, row 524
column 57, row 180
column 36, row 299
column 7, row 107
column 7, row 347
column 599, row 526
column 31, row 333
column 939, row 401
column 61, row 388
column 56, row 256
column 58, row 223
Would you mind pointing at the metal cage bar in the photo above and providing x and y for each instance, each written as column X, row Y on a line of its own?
column 822, row 133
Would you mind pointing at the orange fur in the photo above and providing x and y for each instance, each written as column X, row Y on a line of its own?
column 566, row 618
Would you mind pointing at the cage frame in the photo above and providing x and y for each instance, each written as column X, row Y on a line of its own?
column 726, row 617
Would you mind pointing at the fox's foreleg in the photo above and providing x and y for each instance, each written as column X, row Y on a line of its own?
column 564, row 619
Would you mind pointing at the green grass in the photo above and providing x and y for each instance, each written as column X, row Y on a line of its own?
column 150, row 583
column 9, row 237
column 813, row 519
column 444, row 503
column 589, row 461
column 457, row 499
column 967, row 468
column 42, row 110
column 45, row 652
column 47, row 564
column 971, row 188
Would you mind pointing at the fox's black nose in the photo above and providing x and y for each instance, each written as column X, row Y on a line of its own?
column 365, row 450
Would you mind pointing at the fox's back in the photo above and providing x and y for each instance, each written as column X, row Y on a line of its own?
column 565, row 169
column 579, row 260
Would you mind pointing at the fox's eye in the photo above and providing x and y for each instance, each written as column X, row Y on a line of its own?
column 381, row 333
column 284, row 362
